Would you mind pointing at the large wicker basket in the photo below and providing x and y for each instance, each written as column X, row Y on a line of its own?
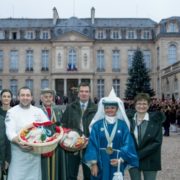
column 45, row 147
column 77, row 146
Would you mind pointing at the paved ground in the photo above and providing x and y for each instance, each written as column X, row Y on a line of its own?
column 170, row 159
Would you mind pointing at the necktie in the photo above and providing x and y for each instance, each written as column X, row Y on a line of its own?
column 49, row 112
column 82, row 108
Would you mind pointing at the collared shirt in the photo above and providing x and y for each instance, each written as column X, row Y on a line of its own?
column 146, row 118
column 140, row 127
column 84, row 108
column 85, row 104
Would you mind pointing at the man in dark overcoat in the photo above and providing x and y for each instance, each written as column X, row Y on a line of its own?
column 78, row 116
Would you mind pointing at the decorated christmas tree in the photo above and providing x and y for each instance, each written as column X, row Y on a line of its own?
column 139, row 80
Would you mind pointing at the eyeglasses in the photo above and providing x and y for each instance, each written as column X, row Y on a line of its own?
column 141, row 104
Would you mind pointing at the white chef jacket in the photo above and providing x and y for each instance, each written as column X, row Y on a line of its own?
column 23, row 165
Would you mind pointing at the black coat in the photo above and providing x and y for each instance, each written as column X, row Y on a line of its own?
column 5, row 154
column 149, row 150
column 72, row 117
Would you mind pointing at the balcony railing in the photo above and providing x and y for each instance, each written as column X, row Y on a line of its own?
column 71, row 67
column 29, row 69
column 100, row 70
column 44, row 69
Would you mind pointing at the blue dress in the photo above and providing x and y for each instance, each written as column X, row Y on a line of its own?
column 122, row 143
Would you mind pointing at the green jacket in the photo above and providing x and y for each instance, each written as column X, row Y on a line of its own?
column 72, row 117
column 149, row 149
column 57, row 111
column 54, row 168
column 5, row 152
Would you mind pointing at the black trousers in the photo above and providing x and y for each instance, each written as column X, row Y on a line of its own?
column 73, row 161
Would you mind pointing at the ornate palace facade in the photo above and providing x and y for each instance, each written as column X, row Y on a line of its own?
column 60, row 53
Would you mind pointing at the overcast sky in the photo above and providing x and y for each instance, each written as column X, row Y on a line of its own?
column 154, row 9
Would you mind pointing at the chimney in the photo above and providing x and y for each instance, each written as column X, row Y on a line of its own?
column 55, row 16
column 92, row 15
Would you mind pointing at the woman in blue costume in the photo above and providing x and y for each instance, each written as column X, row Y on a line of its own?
column 110, row 140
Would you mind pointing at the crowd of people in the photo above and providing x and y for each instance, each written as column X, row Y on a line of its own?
column 121, row 135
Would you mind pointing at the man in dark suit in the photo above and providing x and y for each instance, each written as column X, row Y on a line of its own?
column 78, row 116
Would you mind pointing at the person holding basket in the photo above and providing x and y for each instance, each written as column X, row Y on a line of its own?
column 24, row 164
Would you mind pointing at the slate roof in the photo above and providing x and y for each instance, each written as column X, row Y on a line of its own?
column 25, row 23
column 76, row 22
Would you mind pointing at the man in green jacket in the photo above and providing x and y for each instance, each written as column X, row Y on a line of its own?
column 53, row 167
column 78, row 116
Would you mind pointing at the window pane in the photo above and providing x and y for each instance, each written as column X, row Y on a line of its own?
column 45, row 35
column 116, row 60
column 13, row 86
column 0, row 84
column 130, row 35
column 29, row 84
column 100, row 60
column 146, row 34
column 14, row 60
column 172, row 27
column 72, row 60
column 1, row 60
column 45, row 59
column 158, row 57
column 116, row 86
column 100, row 88
column 29, row 60
column 172, row 54
column 44, row 83
column 100, row 34
column 130, row 58
column 147, row 59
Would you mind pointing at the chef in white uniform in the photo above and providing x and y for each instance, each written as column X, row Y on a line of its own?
column 24, row 165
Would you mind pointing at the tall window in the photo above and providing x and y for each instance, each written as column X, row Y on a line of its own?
column 130, row 58
column 116, row 86
column 14, row 86
column 100, row 60
column 100, row 34
column 146, row 35
column 131, row 35
column 44, row 83
column 29, row 60
column 172, row 54
column 45, row 60
column 2, row 35
column 14, row 60
column 147, row 59
column 115, row 34
column 1, row 85
column 72, row 60
column 30, row 35
column 29, row 84
column 1, row 60
column 167, row 86
column 158, row 86
column 115, row 60
column 176, row 85
column 158, row 57
column 172, row 27
column 59, row 59
column 45, row 35
column 100, row 88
